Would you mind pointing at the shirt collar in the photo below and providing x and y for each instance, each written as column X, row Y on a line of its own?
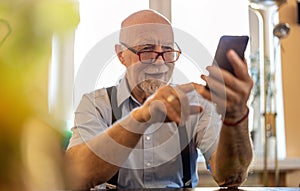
column 123, row 91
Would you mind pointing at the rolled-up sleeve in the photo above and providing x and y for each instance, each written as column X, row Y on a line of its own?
column 92, row 116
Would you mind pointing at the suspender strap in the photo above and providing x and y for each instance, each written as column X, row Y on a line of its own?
column 116, row 115
column 116, row 111
column 185, row 157
column 183, row 136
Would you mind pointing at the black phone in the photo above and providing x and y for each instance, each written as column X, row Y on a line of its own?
column 237, row 43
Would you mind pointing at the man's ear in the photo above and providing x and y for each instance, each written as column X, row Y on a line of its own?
column 119, row 52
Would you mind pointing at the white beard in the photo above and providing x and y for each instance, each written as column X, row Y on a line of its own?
column 150, row 86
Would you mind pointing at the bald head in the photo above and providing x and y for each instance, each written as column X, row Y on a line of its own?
column 145, row 24
column 143, row 17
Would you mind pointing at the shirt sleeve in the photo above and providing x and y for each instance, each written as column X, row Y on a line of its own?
column 92, row 116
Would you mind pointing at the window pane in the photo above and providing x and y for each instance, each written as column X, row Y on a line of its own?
column 209, row 20
column 100, row 18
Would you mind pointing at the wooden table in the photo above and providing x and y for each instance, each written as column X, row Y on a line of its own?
column 217, row 189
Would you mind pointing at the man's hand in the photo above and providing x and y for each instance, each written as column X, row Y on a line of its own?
column 168, row 104
column 229, row 92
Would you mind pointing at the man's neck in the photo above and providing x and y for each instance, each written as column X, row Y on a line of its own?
column 139, row 95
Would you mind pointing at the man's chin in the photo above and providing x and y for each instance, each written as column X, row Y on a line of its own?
column 150, row 86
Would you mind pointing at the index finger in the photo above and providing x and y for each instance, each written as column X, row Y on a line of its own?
column 188, row 87
column 240, row 66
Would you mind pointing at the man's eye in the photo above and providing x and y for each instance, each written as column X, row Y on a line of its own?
column 147, row 48
column 167, row 48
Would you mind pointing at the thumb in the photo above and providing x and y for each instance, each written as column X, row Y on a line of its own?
column 195, row 109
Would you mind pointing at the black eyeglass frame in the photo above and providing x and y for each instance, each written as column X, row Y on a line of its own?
column 158, row 53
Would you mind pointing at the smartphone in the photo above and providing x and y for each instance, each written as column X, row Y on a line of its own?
column 237, row 43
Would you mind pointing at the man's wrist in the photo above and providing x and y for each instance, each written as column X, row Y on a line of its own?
column 237, row 121
column 130, row 123
column 139, row 115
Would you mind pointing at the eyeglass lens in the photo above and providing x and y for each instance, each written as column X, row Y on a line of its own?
column 150, row 57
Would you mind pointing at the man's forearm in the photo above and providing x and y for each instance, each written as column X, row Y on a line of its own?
column 234, row 155
column 85, row 168
column 97, row 160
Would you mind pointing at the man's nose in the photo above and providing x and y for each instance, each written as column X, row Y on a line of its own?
column 159, row 59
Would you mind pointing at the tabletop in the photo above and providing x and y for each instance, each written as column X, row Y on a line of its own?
column 217, row 189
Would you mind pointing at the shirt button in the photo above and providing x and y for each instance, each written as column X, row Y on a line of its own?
column 148, row 164
column 148, row 138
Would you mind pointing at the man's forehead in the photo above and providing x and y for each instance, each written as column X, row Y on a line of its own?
column 152, row 41
column 152, row 37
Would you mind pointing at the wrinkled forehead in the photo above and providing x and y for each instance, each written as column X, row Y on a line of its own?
column 150, row 33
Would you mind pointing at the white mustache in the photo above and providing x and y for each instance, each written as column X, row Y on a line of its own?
column 156, row 69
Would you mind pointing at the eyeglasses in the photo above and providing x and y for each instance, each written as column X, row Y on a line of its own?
column 149, row 57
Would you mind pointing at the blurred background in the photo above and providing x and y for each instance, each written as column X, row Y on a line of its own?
column 31, row 139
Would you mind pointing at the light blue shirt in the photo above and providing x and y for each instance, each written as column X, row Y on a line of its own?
column 155, row 162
